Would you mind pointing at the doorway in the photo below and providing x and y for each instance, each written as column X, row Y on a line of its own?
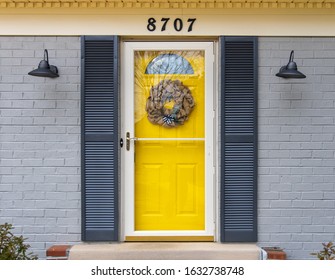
column 167, row 124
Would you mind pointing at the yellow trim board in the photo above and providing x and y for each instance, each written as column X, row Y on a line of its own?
column 169, row 239
column 173, row 4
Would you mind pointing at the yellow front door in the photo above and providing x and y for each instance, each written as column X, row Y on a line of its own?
column 169, row 134
column 169, row 150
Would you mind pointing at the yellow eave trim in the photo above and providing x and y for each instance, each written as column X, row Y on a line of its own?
column 172, row 4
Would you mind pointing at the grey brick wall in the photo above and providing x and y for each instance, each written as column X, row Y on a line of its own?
column 296, row 146
column 40, row 141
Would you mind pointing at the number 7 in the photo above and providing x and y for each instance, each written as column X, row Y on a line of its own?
column 165, row 20
column 192, row 21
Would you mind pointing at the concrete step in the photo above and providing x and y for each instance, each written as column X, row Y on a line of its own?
column 165, row 251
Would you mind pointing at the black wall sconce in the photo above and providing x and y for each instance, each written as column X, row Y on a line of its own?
column 45, row 69
column 290, row 71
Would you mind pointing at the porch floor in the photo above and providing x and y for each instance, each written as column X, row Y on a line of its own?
column 165, row 251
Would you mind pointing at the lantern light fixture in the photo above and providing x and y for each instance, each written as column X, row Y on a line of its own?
column 290, row 71
column 44, row 68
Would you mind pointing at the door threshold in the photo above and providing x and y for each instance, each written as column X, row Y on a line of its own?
column 169, row 238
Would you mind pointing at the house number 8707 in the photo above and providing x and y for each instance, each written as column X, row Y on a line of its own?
column 178, row 24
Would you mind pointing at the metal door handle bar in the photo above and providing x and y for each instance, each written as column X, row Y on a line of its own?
column 128, row 139
column 167, row 139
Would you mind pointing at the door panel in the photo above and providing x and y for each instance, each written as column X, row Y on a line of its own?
column 169, row 187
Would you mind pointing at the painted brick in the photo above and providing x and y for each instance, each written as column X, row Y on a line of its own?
column 303, row 203
column 295, row 117
column 68, row 120
column 330, row 196
column 72, row 229
column 302, row 237
column 45, row 204
column 34, row 195
column 274, row 229
column 56, row 195
column 67, row 204
column 281, row 237
column 71, row 213
column 329, row 228
column 12, row 213
column 68, row 238
column 24, row 204
column 56, row 179
column 290, row 195
column 54, row 112
column 290, row 179
column 301, row 220
column 32, row 162
column 277, row 220
column 53, row 162
column 270, row 213
column 327, row 179
column 23, row 187
column 281, row 204
column 6, row 187
column 44, row 104
column 67, row 221
column 38, row 142
column 304, row 110
column 269, row 195
column 56, row 230
column 5, row 179
column 312, row 195
column 324, row 204
column 282, row 187
column 33, row 213
column 323, row 220
column 290, row 228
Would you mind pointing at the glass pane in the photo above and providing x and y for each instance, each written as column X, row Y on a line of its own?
column 169, row 63
column 169, row 105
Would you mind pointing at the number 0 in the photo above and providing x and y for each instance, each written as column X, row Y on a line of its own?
column 178, row 24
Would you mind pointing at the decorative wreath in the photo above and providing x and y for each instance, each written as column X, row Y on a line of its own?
column 169, row 104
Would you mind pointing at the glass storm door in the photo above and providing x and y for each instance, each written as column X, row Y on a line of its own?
column 168, row 158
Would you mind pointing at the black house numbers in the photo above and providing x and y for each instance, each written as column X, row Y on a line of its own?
column 167, row 24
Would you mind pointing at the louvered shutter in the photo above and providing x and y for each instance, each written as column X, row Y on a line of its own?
column 99, row 126
column 239, row 139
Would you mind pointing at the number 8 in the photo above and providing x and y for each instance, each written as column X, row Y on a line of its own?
column 151, row 24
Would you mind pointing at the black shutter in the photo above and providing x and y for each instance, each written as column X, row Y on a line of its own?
column 99, row 129
column 239, row 139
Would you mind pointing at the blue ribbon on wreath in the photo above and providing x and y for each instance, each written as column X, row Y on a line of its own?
column 172, row 118
column 169, row 119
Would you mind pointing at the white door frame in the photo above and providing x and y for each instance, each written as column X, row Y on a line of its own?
column 127, row 125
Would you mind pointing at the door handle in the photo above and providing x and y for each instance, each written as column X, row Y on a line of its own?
column 128, row 141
